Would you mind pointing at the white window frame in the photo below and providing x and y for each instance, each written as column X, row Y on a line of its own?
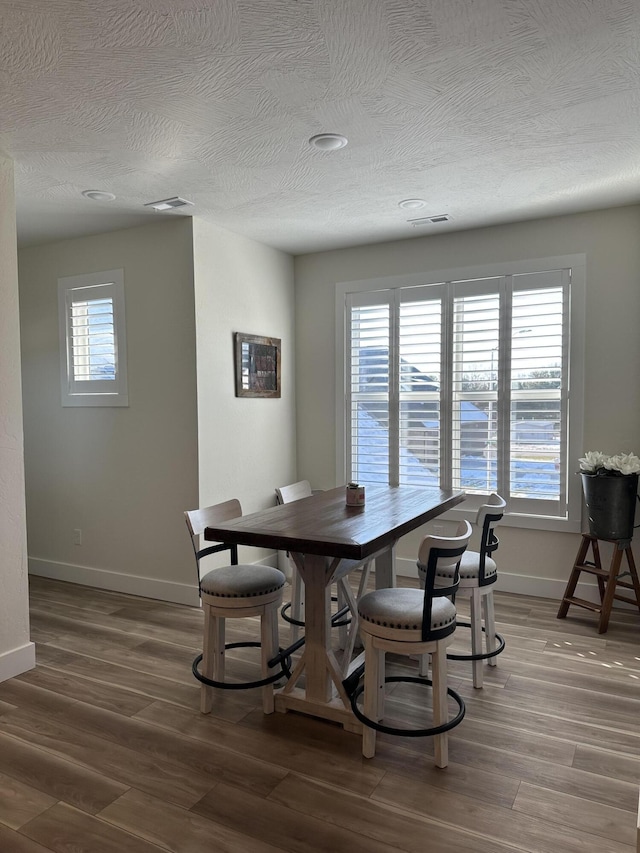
column 576, row 344
column 74, row 392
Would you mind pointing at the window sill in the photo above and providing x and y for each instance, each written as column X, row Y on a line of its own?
column 529, row 522
column 78, row 400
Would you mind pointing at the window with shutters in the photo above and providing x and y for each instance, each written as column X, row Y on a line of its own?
column 92, row 339
column 467, row 383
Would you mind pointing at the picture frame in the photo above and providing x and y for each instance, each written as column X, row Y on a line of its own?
column 257, row 363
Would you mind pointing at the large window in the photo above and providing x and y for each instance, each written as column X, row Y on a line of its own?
column 467, row 383
column 92, row 339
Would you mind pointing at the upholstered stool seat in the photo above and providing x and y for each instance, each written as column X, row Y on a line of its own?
column 234, row 592
column 470, row 568
column 412, row 622
column 242, row 581
column 393, row 610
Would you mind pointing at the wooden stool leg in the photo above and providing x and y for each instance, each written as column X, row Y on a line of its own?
column 476, row 636
column 212, row 656
column 440, row 715
column 489, row 626
column 268, row 648
column 610, row 591
column 373, row 703
column 423, row 660
column 206, row 692
column 423, row 665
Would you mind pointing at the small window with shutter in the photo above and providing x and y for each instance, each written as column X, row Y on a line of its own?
column 92, row 339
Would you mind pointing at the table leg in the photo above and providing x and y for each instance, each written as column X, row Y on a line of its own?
column 323, row 694
column 317, row 627
column 386, row 568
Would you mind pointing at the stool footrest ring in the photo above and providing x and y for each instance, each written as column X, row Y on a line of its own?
column 284, row 670
column 284, row 612
column 285, row 615
column 389, row 730
column 480, row 655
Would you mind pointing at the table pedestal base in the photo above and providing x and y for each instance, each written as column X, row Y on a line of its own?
column 334, row 710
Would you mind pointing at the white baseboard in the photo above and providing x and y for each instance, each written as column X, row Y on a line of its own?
column 178, row 593
column 522, row 584
column 17, row 661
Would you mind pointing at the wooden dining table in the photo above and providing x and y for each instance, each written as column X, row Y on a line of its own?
column 325, row 538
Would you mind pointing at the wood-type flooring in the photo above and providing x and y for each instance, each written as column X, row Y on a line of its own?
column 103, row 748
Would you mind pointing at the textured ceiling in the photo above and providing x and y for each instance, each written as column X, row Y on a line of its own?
column 489, row 110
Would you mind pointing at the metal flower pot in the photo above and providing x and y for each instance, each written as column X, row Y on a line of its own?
column 611, row 504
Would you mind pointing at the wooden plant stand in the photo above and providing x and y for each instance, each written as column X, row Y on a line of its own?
column 608, row 579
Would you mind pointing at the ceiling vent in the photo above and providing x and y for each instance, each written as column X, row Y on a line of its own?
column 428, row 220
column 169, row 203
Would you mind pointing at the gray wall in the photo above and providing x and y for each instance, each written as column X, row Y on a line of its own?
column 247, row 446
column 123, row 476
column 530, row 560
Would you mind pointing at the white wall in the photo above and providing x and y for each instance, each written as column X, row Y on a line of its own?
column 530, row 561
column 17, row 653
column 246, row 445
column 123, row 476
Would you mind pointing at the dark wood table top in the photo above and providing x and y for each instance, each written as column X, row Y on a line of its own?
column 324, row 524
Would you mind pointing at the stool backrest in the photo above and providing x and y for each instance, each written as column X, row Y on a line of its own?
column 488, row 518
column 293, row 492
column 199, row 519
column 440, row 552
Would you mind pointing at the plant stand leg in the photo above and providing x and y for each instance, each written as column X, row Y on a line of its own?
column 610, row 591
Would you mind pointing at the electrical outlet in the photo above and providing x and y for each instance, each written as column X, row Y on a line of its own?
column 77, row 536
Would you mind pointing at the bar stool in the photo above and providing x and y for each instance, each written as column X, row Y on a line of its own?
column 234, row 592
column 412, row 622
column 478, row 574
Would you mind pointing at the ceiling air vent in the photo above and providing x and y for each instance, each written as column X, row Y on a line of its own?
column 169, row 203
column 428, row 220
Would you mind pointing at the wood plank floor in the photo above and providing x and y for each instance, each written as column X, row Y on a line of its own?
column 103, row 748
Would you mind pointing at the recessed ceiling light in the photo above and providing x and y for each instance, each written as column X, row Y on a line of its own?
column 169, row 203
column 98, row 195
column 412, row 203
column 328, row 141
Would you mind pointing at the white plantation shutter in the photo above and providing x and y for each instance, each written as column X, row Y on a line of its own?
column 93, row 348
column 474, row 388
column 419, row 385
column 463, row 384
column 368, row 388
column 92, row 339
column 537, row 386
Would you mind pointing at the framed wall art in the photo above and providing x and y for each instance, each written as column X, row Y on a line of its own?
column 257, row 366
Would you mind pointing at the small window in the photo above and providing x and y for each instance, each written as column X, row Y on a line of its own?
column 93, row 355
